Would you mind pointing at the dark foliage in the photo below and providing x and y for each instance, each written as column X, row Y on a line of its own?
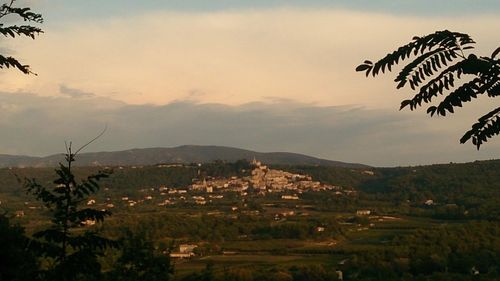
column 140, row 260
column 18, row 30
column 438, row 62
column 206, row 275
column 466, row 252
column 16, row 262
column 459, row 191
column 294, row 273
column 72, row 252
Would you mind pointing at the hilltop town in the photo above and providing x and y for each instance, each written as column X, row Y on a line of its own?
column 260, row 181
column 254, row 180
column 263, row 180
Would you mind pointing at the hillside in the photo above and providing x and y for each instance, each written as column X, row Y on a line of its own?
column 414, row 213
column 180, row 154
column 16, row 160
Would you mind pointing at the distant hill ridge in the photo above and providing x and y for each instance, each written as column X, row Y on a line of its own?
column 180, row 154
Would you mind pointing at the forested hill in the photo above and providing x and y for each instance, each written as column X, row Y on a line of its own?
column 466, row 188
column 458, row 191
column 181, row 154
column 16, row 160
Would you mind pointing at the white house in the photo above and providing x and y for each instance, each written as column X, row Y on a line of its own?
column 363, row 212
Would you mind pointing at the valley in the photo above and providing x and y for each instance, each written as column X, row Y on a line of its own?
column 247, row 216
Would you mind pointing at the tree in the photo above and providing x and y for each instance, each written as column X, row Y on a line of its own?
column 439, row 61
column 8, row 9
column 139, row 260
column 72, row 252
column 16, row 262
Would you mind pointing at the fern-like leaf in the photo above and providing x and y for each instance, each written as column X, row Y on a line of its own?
column 485, row 128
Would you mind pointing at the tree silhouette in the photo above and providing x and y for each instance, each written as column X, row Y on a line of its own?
column 73, row 252
column 438, row 62
column 16, row 262
column 140, row 260
column 8, row 9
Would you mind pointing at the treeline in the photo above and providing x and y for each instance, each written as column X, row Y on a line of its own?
column 135, row 257
column 345, row 177
column 467, row 252
column 293, row 273
column 66, row 249
column 222, row 227
column 451, row 191
column 129, row 177
column 456, row 191
column 452, row 252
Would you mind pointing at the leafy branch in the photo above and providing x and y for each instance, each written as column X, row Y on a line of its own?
column 438, row 62
column 18, row 30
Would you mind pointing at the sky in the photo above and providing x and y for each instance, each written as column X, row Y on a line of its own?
column 260, row 75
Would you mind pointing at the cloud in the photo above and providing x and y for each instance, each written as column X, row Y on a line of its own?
column 100, row 9
column 194, row 95
column 37, row 125
column 234, row 56
column 4, row 50
column 74, row 93
column 279, row 79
